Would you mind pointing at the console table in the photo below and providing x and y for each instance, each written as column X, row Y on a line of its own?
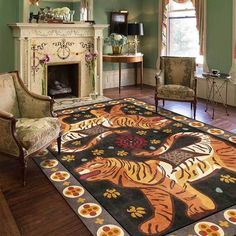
column 137, row 59
column 215, row 89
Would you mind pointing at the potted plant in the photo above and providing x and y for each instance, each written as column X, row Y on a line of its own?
column 116, row 41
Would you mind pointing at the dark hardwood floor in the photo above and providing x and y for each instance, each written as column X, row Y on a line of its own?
column 39, row 209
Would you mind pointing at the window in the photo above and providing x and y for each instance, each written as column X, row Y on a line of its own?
column 182, row 36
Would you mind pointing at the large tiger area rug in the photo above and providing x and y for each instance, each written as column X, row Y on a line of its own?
column 127, row 170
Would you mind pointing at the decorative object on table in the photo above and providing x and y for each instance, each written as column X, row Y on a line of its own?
column 135, row 29
column 62, row 13
column 86, row 10
column 91, row 59
column 121, row 151
column 215, row 71
column 46, row 14
column 117, row 41
column 43, row 62
column 57, row 15
column 34, row 10
column 72, row 13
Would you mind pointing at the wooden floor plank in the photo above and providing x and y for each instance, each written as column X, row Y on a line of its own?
column 8, row 226
column 39, row 209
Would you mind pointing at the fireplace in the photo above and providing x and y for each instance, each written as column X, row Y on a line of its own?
column 63, row 80
column 63, row 44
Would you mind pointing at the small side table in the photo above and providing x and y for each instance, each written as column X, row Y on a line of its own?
column 127, row 59
column 215, row 89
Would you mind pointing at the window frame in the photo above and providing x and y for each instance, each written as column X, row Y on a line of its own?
column 199, row 66
column 168, row 30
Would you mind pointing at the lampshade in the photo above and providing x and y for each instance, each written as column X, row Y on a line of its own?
column 135, row 29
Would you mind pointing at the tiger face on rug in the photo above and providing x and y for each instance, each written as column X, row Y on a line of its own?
column 160, row 181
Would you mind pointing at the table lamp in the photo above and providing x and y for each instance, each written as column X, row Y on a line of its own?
column 135, row 29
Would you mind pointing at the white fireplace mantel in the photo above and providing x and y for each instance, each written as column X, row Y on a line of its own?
column 63, row 43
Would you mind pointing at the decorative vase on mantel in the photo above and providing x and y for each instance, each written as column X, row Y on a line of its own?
column 116, row 49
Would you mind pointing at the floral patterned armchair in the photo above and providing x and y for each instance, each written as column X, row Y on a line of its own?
column 176, row 81
column 26, row 120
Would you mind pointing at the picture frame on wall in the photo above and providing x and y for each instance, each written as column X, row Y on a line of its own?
column 119, row 23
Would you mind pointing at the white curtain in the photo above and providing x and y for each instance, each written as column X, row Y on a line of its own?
column 233, row 68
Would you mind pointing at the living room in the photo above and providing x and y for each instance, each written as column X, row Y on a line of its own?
column 171, row 145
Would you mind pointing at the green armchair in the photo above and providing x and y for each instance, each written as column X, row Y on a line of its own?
column 26, row 121
column 176, row 81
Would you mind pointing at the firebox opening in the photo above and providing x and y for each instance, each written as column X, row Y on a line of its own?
column 63, row 80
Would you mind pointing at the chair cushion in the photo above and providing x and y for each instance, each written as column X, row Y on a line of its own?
column 36, row 133
column 175, row 92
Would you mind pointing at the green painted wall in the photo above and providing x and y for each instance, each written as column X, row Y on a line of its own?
column 44, row 4
column 149, row 40
column 219, row 29
column 219, row 34
column 76, row 8
column 9, row 14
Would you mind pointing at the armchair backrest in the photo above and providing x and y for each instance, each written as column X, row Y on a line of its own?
column 8, row 94
column 178, row 70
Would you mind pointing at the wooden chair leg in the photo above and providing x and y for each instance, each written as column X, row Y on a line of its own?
column 156, row 104
column 194, row 110
column 59, row 145
column 156, row 101
column 24, row 170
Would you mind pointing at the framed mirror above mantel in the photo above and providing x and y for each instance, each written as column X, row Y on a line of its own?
column 83, row 9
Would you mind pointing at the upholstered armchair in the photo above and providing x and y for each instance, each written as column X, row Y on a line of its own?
column 26, row 121
column 176, row 81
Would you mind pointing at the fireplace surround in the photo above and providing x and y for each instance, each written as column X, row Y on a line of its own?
column 64, row 44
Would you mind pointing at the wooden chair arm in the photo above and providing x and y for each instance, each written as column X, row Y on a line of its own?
column 6, row 115
column 158, row 79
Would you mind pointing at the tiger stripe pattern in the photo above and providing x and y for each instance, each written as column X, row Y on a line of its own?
column 160, row 181
column 115, row 119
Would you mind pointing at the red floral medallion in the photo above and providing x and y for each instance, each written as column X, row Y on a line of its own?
column 130, row 141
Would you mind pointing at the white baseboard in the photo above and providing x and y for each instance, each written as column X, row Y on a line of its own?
column 111, row 78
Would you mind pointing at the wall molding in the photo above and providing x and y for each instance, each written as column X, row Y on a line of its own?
column 111, row 77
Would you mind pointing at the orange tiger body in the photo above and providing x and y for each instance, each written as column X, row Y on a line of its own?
column 159, row 180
